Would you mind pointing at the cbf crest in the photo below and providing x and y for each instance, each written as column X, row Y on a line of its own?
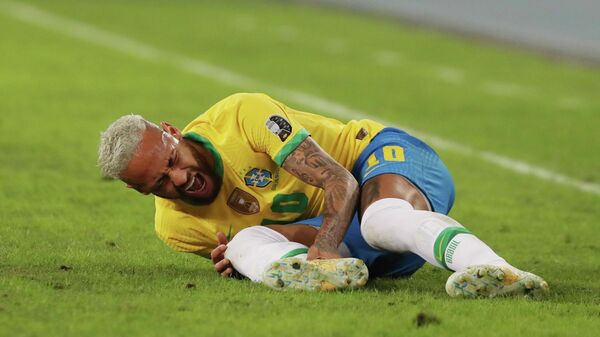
column 258, row 177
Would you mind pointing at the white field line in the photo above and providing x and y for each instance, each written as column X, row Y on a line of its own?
column 450, row 74
column 88, row 33
column 286, row 33
column 570, row 102
column 335, row 46
column 505, row 89
column 387, row 58
column 244, row 23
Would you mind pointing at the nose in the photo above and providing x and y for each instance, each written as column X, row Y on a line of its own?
column 178, row 176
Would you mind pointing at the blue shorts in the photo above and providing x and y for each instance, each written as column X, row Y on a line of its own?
column 395, row 151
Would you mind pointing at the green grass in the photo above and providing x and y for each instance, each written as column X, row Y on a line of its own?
column 57, row 93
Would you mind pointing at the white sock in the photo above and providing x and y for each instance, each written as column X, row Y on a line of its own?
column 394, row 225
column 253, row 249
column 466, row 250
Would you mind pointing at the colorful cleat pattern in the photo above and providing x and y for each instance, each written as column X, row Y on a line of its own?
column 491, row 281
column 294, row 273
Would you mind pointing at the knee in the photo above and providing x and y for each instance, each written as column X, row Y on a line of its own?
column 373, row 225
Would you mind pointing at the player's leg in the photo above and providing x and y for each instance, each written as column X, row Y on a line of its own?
column 390, row 222
column 254, row 248
column 403, row 179
column 267, row 256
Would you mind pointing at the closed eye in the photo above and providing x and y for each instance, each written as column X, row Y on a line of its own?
column 159, row 183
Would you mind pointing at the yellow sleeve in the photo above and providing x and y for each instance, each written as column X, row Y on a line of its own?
column 269, row 127
column 183, row 232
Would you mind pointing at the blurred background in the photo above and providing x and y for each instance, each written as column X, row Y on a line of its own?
column 515, row 78
column 556, row 28
column 505, row 91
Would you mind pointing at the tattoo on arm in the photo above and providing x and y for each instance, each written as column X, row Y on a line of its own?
column 310, row 163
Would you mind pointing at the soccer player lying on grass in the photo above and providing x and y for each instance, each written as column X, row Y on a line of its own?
column 328, row 196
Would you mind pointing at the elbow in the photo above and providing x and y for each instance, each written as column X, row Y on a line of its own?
column 341, row 186
column 354, row 188
column 351, row 185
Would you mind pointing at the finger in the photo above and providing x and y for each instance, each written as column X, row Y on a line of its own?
column 227, row 272
column 217, row 254
column 223, row 261
column 214, row 255
column 221, row 238
column 222, row 265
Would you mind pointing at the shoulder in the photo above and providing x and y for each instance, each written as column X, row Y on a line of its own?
column 231, row 107
column 235, row 114
column 225, row 112
column 241, row 99
column 252, row 101
column 247, row 97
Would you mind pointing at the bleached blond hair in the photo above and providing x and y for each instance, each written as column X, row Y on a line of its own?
column 119, row 143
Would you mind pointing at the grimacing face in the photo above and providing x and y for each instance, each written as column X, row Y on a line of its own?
column 171, row 167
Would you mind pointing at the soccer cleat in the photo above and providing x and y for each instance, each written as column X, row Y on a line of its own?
column 294, row 273
column 491, row 281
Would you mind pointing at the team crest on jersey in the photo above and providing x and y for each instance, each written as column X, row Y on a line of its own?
column 258, row 177
column 279, row 126
column 243, row 202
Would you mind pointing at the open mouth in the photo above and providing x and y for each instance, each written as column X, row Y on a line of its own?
column 195, row 186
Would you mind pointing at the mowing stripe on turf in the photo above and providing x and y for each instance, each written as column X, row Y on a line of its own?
column 88, row 33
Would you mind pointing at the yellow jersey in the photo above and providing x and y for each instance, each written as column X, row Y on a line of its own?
column 250, row 136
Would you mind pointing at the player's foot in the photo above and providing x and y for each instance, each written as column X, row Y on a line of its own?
column 316, row 275
column 491, row 281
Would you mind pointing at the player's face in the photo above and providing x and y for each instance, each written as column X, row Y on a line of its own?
column 171, row 167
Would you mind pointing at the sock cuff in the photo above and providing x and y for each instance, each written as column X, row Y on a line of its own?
column 442, row 242
column 295, row 252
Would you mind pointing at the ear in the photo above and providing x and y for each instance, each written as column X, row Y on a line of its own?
column 173, row 131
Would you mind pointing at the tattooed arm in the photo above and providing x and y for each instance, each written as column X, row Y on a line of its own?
column 310, row 163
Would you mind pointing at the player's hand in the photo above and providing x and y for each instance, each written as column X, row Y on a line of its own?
column 315, row 252
column 222, row 265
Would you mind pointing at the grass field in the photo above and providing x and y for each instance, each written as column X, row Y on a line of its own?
column 78, row 254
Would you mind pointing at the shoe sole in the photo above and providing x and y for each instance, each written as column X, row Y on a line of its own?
column 318, row 275
column 491, row 281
